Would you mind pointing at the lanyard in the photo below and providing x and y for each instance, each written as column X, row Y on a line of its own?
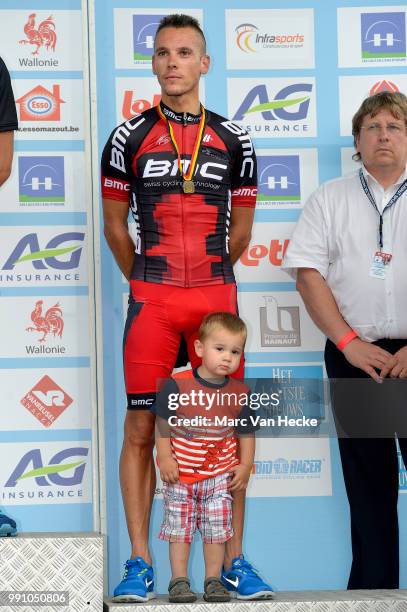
column 188, row 184
column 390, row 203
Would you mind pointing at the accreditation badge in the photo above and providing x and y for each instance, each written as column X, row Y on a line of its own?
column 380, row 265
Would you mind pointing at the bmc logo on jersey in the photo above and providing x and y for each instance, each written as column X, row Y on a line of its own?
column 383, row 35
column 55, row 254
column 46, row 401
column 155, row 168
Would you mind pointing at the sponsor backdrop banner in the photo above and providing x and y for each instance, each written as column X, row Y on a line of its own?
column 46, row 364
column 292, row 75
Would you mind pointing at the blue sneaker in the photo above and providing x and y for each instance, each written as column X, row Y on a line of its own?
column 8, row 526
column 137, row 583
column 243, row 582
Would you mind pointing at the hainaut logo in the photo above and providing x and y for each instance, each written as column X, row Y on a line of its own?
column 279, row 325
column 46, row 400
column 278, row 178
column 40, row 104
column 383, row 36
column 40, row 36
column 144, row 30
column 41, row 180
column 250, row 39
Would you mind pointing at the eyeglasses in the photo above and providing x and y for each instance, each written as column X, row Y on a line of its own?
column 395, row 129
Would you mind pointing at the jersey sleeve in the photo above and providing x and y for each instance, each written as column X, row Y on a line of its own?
column 244, row 172
column 8, row 113
column 246, row 424
column 116, row 166
column 166, row 402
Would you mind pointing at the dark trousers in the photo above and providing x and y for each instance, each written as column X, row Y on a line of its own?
column 370, row 469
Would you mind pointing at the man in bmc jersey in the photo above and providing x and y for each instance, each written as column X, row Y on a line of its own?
column 189, row 177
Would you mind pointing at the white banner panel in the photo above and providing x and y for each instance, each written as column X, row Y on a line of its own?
column 261, row 262
column 134, row 96
column 45, row 473
column 286, row 177
column 347, row 163
column 273, row 39
column 354, row 89
column 49, row 109
column 45, row 182
column 50, row 326
column 274, row 108
column 41, row 39
column 135, row 31
column 44, row 398
column 43, row 256
column 291, row 467
column 278, row 321
column 373, row 36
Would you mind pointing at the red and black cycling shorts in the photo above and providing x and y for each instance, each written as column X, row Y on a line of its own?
column 158, row 317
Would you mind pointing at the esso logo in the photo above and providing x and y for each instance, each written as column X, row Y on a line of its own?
column 274, row 252
column 39, row 105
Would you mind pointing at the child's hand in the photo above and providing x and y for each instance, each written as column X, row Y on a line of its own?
column 241, row 475
column 169, row 470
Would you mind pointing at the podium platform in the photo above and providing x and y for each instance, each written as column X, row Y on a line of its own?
column 295, row 601
column 37, row 566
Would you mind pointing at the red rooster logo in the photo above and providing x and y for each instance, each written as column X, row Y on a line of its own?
column 52, row 322
column 44, row 36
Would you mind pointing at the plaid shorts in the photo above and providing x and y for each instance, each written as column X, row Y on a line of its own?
column 205, row 505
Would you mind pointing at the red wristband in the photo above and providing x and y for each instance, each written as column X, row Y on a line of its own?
column 344, row 341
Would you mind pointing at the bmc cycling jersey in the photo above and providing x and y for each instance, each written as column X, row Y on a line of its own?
column 180, row 239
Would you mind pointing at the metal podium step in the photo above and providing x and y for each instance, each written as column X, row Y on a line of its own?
column 41, row 571
column 294, row 601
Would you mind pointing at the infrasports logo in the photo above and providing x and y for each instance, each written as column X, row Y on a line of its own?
column 46, row 400
column 39, row 34
column 383, row 35
column 279, row 325
column 245, row 32
column 144, row 30
column 250, row 39
column 384, row 85
column 278, row 178
column 41, row 180
column 40, row 104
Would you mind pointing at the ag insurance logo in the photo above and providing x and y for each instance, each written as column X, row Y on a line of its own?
column 47, row 256
column 273, row 107
column 383, row 35
column 46, row 473
column 41, row 180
